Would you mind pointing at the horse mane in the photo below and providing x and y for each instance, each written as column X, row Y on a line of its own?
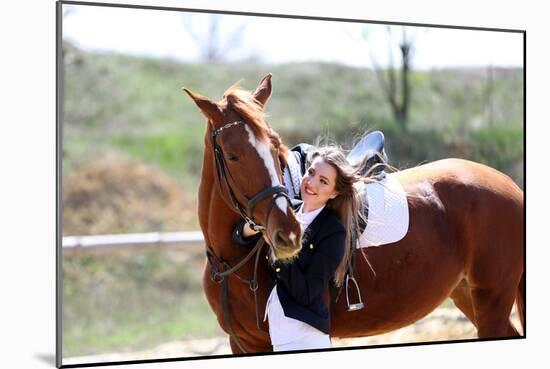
column 250, row 109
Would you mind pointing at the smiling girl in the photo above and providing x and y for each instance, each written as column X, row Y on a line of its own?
column 297, row 307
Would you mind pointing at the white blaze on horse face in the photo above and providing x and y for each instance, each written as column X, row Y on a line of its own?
column 263, row 151
column 292, row 237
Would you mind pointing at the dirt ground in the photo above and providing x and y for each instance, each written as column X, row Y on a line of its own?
column 441, row 325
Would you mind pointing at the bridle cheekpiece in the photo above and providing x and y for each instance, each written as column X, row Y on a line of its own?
column 224, row 173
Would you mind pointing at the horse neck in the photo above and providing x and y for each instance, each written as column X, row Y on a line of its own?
column 216, row 218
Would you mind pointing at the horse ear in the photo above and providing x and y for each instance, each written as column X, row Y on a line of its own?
column 263, row 92
column 210, row 109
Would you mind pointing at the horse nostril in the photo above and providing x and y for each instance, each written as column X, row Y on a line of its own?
column 280, row 239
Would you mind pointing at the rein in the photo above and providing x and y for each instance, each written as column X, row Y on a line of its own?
column 220, row 268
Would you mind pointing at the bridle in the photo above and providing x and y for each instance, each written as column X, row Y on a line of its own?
column 221, row 268
column 224, row 174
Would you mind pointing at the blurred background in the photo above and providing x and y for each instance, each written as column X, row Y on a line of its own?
column 132, row 145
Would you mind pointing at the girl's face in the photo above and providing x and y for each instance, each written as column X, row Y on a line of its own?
column 318, row 184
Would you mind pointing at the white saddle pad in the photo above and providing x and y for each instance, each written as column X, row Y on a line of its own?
column 388, row 217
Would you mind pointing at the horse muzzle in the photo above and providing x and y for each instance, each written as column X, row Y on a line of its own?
column 286, row 241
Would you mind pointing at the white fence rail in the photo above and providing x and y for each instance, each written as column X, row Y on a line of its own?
column 73, row 243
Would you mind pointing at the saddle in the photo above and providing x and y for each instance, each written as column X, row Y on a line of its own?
column 370, row 158
column 369, row 155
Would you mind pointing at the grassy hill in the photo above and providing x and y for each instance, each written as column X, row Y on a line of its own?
column 135, row 107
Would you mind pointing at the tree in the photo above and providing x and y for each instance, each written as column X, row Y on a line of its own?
column 218, row 40
column 396, row 81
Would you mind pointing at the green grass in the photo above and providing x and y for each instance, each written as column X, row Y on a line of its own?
column 132, row 301
column 498, row 145
column 144, row 331
column 170, row 150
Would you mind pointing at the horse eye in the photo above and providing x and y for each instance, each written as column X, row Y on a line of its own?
column 232, row 157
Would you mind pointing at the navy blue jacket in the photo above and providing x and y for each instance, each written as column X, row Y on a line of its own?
column 303, row 283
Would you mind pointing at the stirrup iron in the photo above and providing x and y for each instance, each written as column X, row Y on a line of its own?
column 359, row 305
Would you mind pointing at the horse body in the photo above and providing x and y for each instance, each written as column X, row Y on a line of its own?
column 465, row 241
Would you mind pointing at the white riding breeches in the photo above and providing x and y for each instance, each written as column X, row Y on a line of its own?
column 291, row 334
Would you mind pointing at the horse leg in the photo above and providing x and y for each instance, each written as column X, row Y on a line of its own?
column 248, row 346
column 520, row 301
column 462, row 298
column 492, row 310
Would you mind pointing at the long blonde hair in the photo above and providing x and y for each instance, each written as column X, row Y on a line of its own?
column 347, row 205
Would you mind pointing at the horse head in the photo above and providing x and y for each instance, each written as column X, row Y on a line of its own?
column 247, row 160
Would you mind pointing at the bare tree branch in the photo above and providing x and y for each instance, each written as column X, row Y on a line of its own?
column 397, row 94
column 391, row 72
column 381, row 77
column 212, row 44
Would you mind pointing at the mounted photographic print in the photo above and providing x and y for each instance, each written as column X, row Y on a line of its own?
column 239, row 184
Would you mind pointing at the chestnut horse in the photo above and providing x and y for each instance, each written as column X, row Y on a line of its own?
column 465, row 239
